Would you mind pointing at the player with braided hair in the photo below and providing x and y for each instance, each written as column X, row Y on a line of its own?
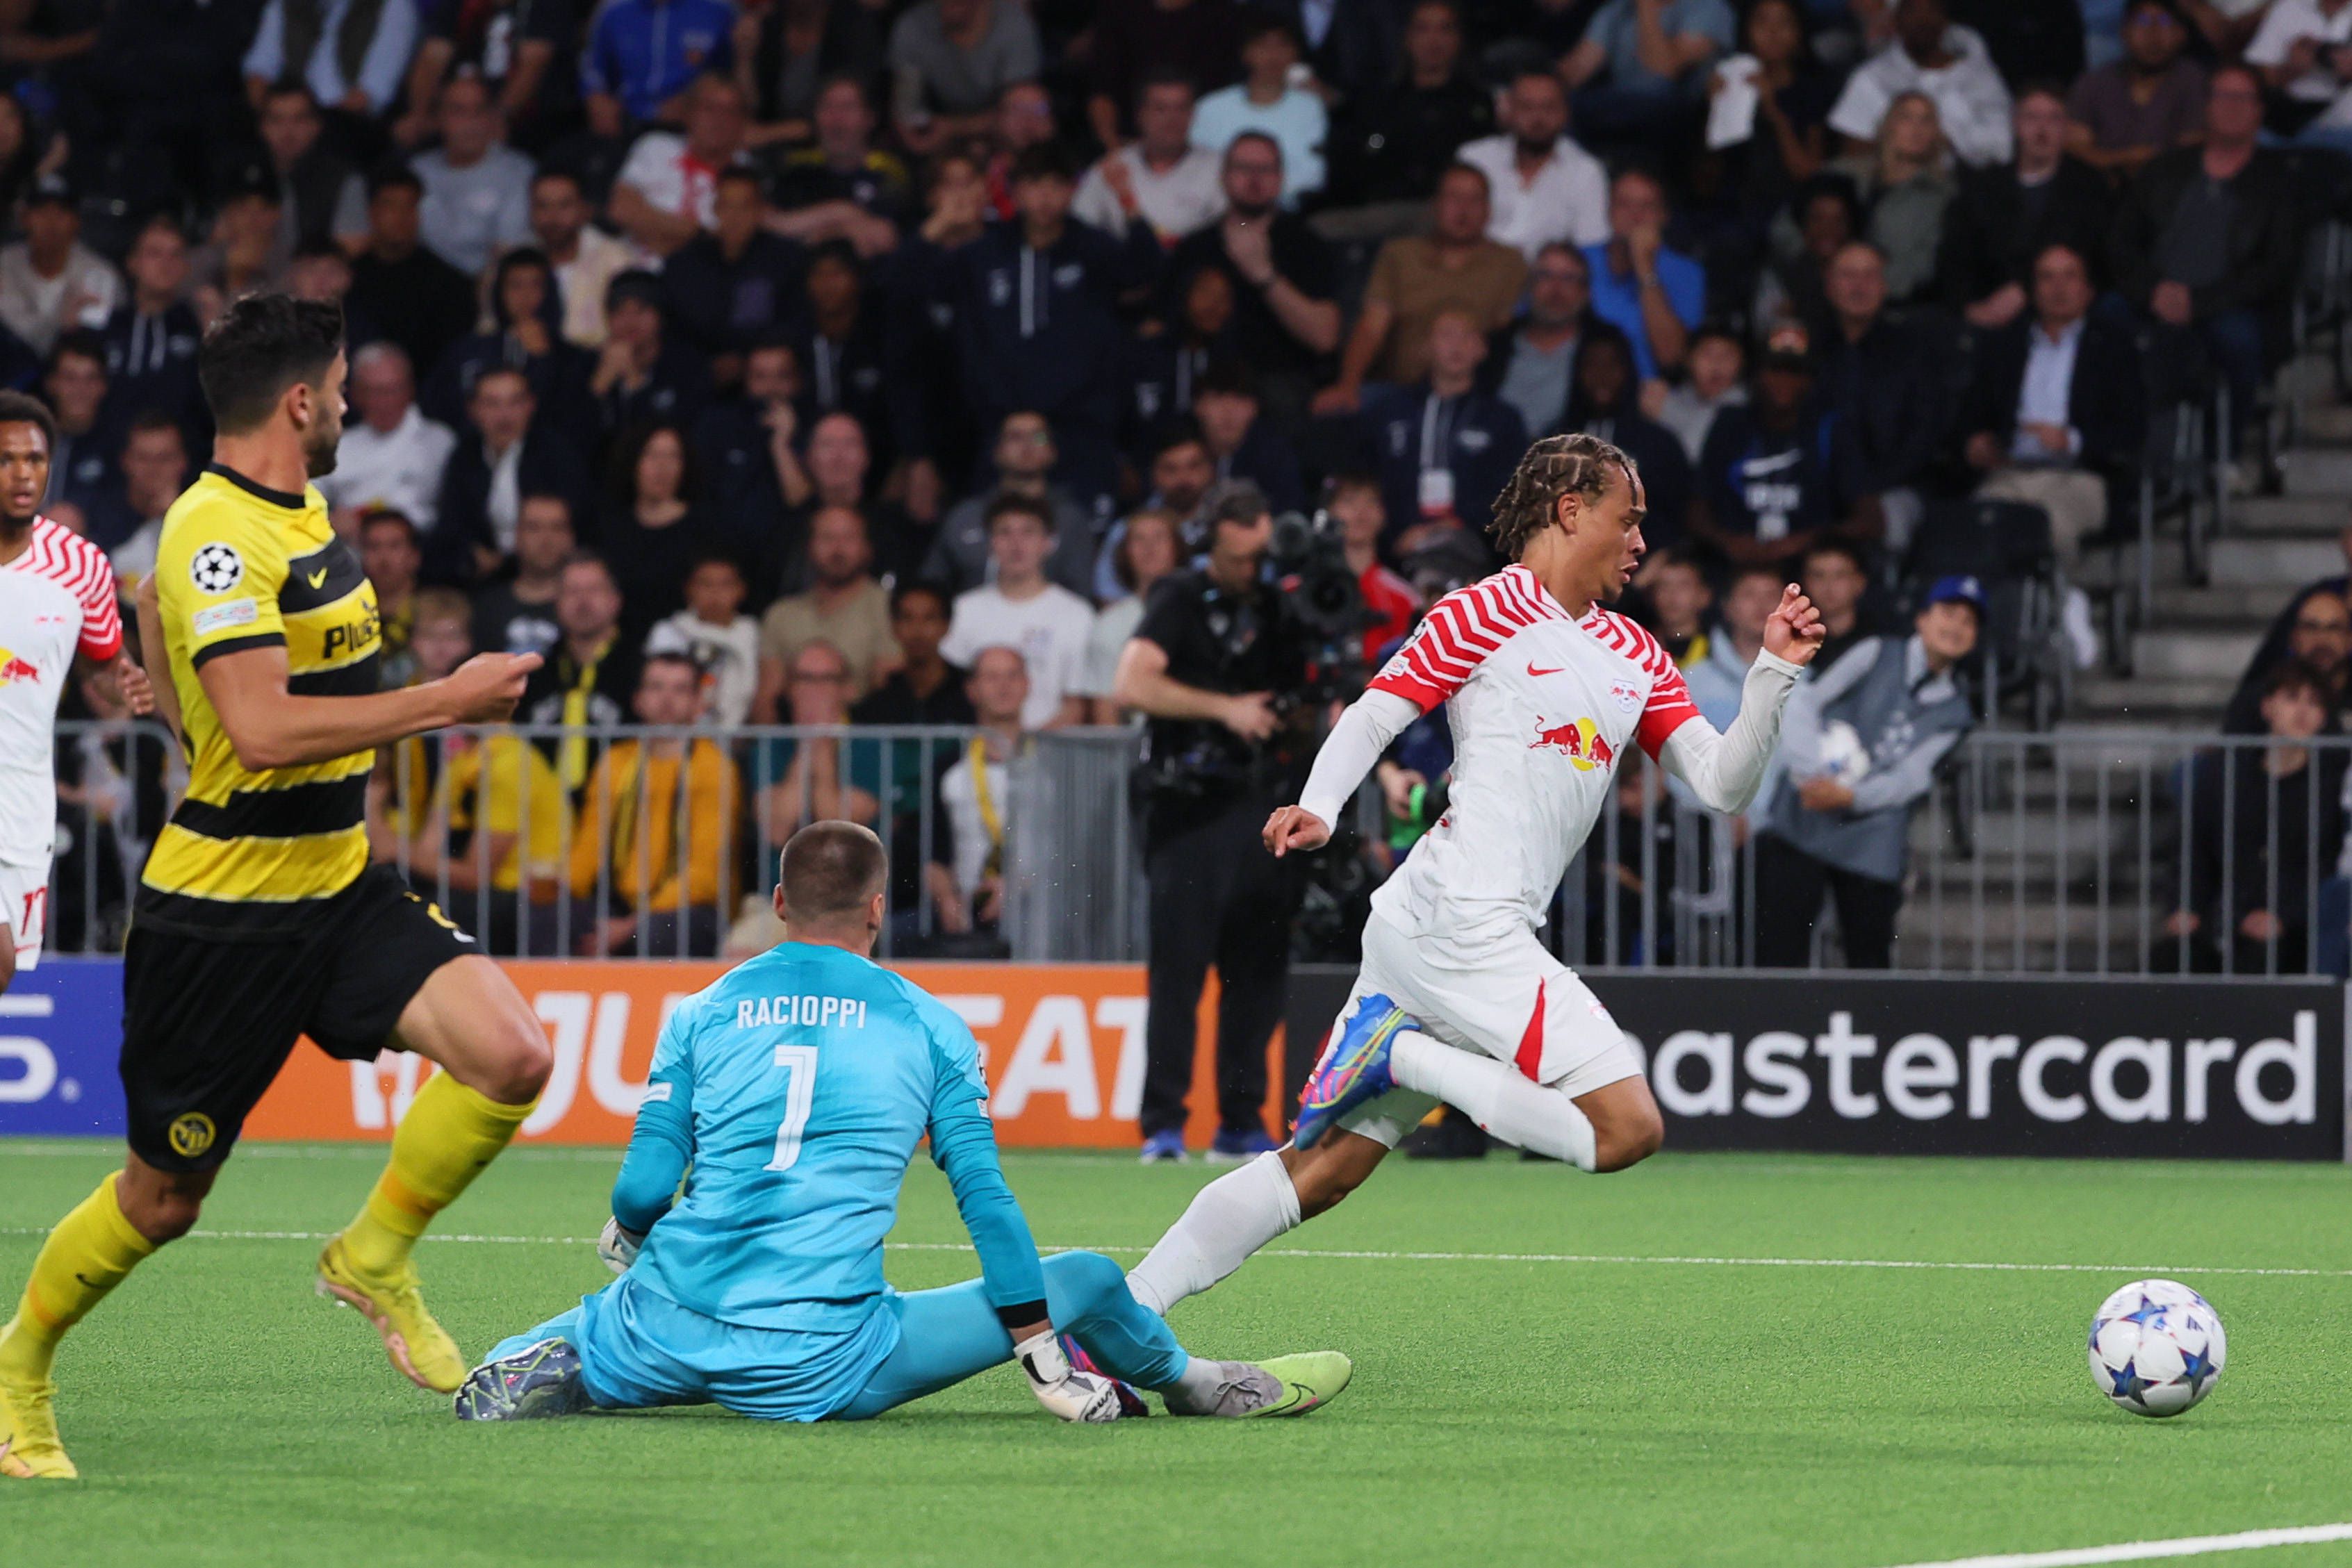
column 1458, row 1001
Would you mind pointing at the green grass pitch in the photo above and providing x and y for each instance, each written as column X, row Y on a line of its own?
column 1612, row 1394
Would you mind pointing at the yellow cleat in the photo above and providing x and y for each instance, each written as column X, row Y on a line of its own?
column 29, row 1448
column 394, row 1305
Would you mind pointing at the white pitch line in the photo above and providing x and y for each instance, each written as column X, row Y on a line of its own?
column 2148, row 1551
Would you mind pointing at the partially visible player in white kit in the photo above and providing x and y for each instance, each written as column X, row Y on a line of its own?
column 57, row 602
column 1457, row 1000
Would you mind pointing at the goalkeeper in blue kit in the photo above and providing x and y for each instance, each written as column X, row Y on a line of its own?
column 787, row 1100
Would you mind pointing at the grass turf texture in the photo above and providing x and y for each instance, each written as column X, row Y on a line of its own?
column 1628, row 1414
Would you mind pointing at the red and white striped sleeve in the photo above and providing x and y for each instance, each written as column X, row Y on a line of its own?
column 72, row 561
column 1669, row 706
column 1456, row 635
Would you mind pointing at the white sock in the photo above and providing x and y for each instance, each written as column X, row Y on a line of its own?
column 1230, row 1218
column 1494, row 1095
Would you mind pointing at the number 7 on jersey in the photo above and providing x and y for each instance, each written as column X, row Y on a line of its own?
column 800, row 1088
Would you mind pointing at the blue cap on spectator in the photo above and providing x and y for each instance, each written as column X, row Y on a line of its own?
column 1957, row 589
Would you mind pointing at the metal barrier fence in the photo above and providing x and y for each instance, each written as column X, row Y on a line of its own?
column 2066, row 852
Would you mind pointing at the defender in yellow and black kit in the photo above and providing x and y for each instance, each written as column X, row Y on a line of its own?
column 259, row 918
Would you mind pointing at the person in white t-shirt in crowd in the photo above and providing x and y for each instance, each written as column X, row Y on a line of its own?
column 154, row 471
column 1272, row 99
column 392, row 457
column 1146, row 552
column 1047, row 624
column 1950, row 64
column 1542, row 186
column 967, row 888
column 713, row 630
column 2304, row 49
column 586, row 258
column 665, row 191
column 1161, row 176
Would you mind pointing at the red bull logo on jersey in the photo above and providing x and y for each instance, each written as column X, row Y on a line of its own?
column 1579, row 740
column 14, row 667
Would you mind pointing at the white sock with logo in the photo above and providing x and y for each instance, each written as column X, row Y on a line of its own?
column 1495, row 1095
column 1230, row 1218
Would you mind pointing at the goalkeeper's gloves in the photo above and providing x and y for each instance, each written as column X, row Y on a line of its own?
column 618, row 1245
column 1069, row 1394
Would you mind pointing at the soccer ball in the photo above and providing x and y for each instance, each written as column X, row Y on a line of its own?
column 2156, row 1347
column 1843, row 757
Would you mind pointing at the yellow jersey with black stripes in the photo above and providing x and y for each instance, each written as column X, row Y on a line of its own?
column 251, row 852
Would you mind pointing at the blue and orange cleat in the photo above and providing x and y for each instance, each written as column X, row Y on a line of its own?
column 1130, row 1403
column 1355, row 1070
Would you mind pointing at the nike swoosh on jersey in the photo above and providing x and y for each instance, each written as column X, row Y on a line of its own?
column 1553, row 671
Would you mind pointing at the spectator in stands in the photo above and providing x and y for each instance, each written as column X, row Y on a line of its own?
column 1606, row 402
column 154, row 471
column 1531, row 363
column 1766, row 481
column 525, row 335
column 949, row 59
column 785, row 52
column 511, row 47
column 591, row 672
column 392, row 555
column 2151, row 101
column 1161, row 177
column 1718, row 364
column 809, row 778
column 839, row 465
column 2301, row 50
column 664, row 194
column 476, row 188
column 496, row 807
column 843, row 187
column 415, row 299
column 1675, row 585
column 1639, row 69
column 1418, row 278
column 351, row 54
column 1024, row 610
column 1148, row 550
column 150, row 338
column 744, row 446
column 2273, row 645
column 1267, row 99
column 842, row 608
column 1882, row 381
column 1862, row 740
column 841, row 344
column 81, row 456
column 1164, row 370
column 390, row 456
column 655, row 853
column 654, row 521
column 644, row 373
column 320, row 198
column 1284, row 278
column 976, row 796
column 49, row 281
column 1354, row 501
column 734, row 283
column 925, row 689
column 164, row 75
column 1025, row 119
column 505, row 454
column 2057, row 405
column 1132, row 37
column 1542, row 187
column 1906, row 184
column 1836, row 575
column 1787, row 139
column 1717, row 678
column 642, row 55
column 1947, row 63
column 1655, row 295
column 1443, row 447
column 517, row 614
column 2208, row 242
column 584, row 257
column 713, row 632
column 2263, row 839
column 1396, row 142
column 1179, row 475
column 959, row 556
column 240, row 250
column 2007, row 217
column 1824, row 218
column 1241, row 444
column 2319, row 639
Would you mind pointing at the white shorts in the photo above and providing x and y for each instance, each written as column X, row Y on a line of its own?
column 1509, row 999
column 24, row 909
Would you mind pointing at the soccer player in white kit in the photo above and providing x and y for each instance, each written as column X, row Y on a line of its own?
column 57, row 602
column 1457, row 1000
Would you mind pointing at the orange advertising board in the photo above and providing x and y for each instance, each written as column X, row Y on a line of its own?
column 1063, row 1045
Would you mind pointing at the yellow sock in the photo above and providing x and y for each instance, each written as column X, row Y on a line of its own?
column 88, row 1254
column 449, row 1134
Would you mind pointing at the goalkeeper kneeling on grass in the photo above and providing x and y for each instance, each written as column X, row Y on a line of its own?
column 797, row 1087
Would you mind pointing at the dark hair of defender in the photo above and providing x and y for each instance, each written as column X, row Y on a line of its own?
column 261, row 345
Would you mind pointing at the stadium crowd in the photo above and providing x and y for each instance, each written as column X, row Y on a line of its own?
column 826, row 361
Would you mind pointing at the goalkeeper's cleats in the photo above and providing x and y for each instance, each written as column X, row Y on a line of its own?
column 29, row 1448
column 1130, row 1403
column 535, row 1383
column 1286, row 1385
column 394, row 1306
column 1355, row 1069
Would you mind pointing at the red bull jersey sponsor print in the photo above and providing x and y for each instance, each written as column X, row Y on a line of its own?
column 57, row 599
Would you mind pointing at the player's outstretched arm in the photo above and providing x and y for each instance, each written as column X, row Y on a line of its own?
column 1724, row 769
column 271, row 728
column 661, row 1145
column 1354, row 745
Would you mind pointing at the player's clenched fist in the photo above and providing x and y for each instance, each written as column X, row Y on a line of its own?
column 1295, row 828
column 486, row 688
column 1794, row 630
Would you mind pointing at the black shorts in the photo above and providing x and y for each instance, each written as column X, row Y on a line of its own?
column 206, row 1023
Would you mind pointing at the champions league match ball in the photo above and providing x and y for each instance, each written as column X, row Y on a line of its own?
column 2156, row 1347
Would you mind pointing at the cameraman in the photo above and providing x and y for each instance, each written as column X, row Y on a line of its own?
column 1217, row 652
